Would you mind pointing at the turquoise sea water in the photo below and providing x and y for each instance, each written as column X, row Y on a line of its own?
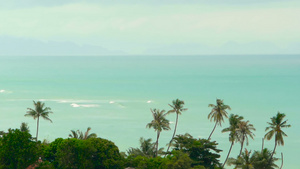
column 113, row 95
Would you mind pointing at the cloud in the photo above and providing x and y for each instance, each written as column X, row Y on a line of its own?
column 134, row 28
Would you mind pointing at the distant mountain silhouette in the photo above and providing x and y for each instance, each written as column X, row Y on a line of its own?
column 11, row 46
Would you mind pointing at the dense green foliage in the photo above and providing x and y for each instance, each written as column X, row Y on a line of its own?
column 201, row 151
column 90, row 153
column 17, row 150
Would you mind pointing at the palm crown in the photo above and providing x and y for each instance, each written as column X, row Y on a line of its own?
column 177, row 106
column 218, row 112
column 275, row 128
column 82, row 136
column 39, row 111
column 234, row 120
column 159, row 121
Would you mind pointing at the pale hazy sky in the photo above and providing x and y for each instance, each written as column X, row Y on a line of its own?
column 153, row 26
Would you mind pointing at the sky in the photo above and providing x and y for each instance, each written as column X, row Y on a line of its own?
column 149, row 27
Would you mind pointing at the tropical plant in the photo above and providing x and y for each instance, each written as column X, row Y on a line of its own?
column 17, row 150
column 202, row 151
column 82, row 136
column 39, row 111
column 218, row 113
column 263, row 159
column 179, row 160
column 146, row 149
column 158, row 123
column 24, row 127
column 91, row 153
column 258, row 160
column 234, row 120
column 275, row 128
column 243, row 131
column 177, row 107
column 243, row 161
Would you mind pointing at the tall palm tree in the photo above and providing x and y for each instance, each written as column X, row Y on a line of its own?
column 275, row 128
column 234, row 120
column 243, row 131
column 158, row 123
column 218, row 113
column 177, row 107
column 82, row 136
column 39, row 111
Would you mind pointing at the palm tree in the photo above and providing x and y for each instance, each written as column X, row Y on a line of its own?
column 258, row 160
column 234, row 120
column 217, row 113
column 263, row 160
column 159, row 123
column 39, row 111
column 243, row 131
column 275, row 128
column 177, row 107
column 244, row 161
column 79, row 134
column 147, row 149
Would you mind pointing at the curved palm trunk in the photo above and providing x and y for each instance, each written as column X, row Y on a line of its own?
column 281, row 161
column 212, row 131
column 242, row 145
column 37, row 128
column 158, row 133
column 228, row 154
column 173, row 133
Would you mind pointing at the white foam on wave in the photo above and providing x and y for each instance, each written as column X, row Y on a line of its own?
column 75, row 105
column 149, row 101
column 111, row 102
column 2, row 91
column 84, row 105
column 89, row 105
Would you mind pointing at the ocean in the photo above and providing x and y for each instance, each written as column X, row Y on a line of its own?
column 113, row 95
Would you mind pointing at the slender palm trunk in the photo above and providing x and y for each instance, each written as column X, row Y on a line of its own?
column 212, row 131
column 37, row 128
column 262, row 147
column 242, row 145
column 281, row 161
column 228, row 154
column 173, row 133
column 158, row 133
column 273, row 151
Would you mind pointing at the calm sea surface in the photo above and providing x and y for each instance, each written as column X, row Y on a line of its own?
column 113, row 95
